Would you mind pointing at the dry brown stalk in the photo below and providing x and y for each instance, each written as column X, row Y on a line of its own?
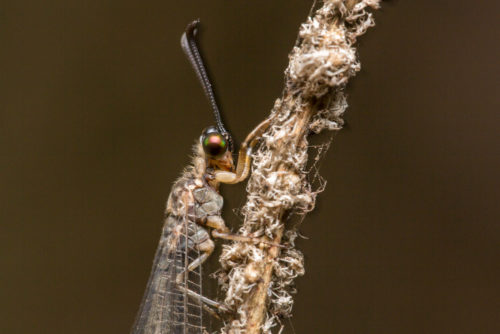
column 258, row 279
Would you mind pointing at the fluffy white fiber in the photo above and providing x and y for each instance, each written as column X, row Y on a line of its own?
column 313, row 100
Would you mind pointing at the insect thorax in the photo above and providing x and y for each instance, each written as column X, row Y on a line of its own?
column 208, row 202
column 192, row 196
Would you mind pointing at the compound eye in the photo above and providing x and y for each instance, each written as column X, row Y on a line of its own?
column 214, row 144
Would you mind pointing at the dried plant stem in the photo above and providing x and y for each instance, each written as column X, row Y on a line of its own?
column 258, row 279
column 256, row 303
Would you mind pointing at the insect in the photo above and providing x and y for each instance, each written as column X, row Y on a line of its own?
column 173, row 300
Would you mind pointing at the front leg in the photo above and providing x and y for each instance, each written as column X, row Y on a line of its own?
column 244, row 154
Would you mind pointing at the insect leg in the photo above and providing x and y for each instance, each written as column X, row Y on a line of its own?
column 241, row 238
column 221, row 231
column 243, row 167
column 206, row 246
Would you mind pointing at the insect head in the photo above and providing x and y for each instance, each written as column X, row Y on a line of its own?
column 213, row 142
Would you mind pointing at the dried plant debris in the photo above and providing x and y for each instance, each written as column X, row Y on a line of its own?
column 258, row 280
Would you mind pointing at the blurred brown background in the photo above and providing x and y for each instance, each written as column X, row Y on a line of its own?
column 99, row 109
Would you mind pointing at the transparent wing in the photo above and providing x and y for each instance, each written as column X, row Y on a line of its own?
column 165, row 306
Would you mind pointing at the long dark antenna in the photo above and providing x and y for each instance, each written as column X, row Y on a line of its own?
column 188, row 44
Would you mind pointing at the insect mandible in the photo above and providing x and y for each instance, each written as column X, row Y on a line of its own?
column 173, row 302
